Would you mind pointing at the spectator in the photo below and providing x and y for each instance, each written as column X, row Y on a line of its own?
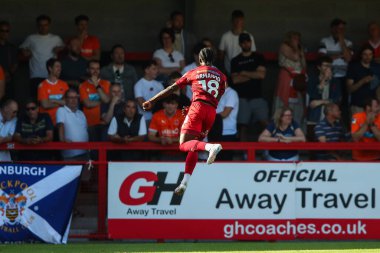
column 197, row 48
column 8, row 120
column 168, row 59
column 340, row 50
column 125, row 128
column 72, row 126
column 90, row 45
column 40, row 48
column 166, row 125
column 8, row 57
column 247, row 72
column 291, row 59
column 365, row 127
column 33, row 128
column 283, row 129
column 120, row 72
column 363, row 79
column 147, row 87
column 93, row 92
column 74, row 66
column 229, row 43
column 321, row 91
column 374, row 39
column 183, row 100
column 228, row 109
column 115, row 106
column 330, row 129
column 184, row 40
column 52, row 89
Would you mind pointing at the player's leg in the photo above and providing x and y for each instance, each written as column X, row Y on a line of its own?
column 190, row 163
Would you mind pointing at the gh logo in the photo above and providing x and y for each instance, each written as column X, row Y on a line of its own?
column 151, row 193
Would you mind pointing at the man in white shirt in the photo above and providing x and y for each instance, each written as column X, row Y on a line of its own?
column 39, row 48
column 147, row 87
column 228, row 109
column 229, row 43
column 8, row 120
column 339, row 50
column 125, row 128
column 72, row 126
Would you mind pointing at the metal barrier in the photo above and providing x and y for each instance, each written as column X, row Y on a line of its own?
column 103, row 147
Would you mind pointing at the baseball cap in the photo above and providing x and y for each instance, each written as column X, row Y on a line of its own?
column 244, row 37
column 337, row 21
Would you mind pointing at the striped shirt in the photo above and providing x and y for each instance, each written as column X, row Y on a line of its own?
column 332, row 132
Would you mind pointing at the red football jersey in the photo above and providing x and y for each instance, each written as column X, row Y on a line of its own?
column 207, row 83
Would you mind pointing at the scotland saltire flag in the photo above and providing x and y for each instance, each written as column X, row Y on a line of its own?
column 36, row 202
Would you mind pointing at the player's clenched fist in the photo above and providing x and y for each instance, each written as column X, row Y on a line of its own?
column 147, row 105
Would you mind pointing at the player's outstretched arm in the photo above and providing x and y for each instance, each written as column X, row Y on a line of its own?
column 148, row 105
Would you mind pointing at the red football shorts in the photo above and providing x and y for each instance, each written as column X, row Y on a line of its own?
column 199, row 119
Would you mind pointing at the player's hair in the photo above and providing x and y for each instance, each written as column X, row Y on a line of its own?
column 207, row 56
column 43, row 17
column 50, row 63
column 80, row 18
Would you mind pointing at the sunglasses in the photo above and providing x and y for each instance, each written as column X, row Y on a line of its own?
column 171, row 58
column 31, row 108
column 4, row 31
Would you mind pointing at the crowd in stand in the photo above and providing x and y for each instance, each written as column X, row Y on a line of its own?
column 75, row 99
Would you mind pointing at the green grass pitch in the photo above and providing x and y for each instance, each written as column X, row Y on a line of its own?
column 261, row 247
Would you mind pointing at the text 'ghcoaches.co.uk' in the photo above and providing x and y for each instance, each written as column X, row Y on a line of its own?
column 288, row 228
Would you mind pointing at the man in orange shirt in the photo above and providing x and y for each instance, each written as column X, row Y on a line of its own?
column 90, row 49
column 93, row 92
column 166, row 125
column 365, row 127
column 52, row 89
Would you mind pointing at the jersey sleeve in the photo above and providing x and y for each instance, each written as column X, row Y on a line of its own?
column 183, row 81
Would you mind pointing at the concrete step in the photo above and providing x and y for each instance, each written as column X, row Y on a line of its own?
column 87, row 198
column 88, row 223
column 87, row 210
column 75, row 231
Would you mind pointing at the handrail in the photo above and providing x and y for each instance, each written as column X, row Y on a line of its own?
column 103, row 147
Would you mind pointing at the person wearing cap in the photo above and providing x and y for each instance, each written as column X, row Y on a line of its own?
column 340, row 50
column 229, row 46
column 247, row 72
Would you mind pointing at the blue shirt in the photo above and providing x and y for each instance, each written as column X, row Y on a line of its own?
column 288, row 132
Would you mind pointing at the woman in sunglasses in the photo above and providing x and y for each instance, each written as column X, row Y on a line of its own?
column 168, row 59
